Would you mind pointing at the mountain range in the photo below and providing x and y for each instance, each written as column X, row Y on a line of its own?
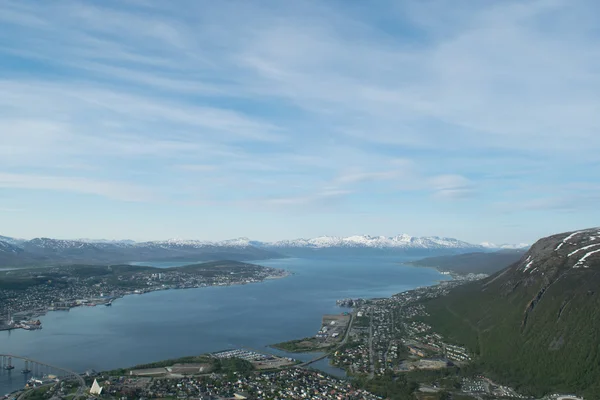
column 536, row 323
column 45, row 251
column 16, row 252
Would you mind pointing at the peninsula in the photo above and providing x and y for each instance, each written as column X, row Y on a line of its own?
column 28, row 293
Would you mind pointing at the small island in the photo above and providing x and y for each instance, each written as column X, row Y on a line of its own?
column 28, row 293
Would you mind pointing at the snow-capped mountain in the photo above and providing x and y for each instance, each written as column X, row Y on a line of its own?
column 9, row 248
column 124, row 242
column 11, row 254
column 51, row 251
column 240, row 242
column 403, row 241
column 10, row 240
column 56, row 244
column 493, row 246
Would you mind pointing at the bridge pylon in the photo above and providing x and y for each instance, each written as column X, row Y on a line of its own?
column 8, row 364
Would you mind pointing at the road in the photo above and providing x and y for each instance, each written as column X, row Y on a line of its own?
column 348, row 329
column 371, row 357
column 343, row 342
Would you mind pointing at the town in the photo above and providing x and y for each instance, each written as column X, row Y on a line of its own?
column 380, row 343
column 388, row 339
column 283, row 384
column 29, row 293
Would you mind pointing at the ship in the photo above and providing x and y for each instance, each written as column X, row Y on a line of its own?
column 30, row 327
column 9, row 367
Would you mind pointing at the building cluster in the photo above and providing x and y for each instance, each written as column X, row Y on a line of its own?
column 425, row 342
column 243, row 354
column 284, row 384
column 123, row 386
column 457, row 353
column 260, row 361
column 354, row 358
column 350, row 302
column 390, row 335
column 62, row 288
column 480, row 385
column 333, row 328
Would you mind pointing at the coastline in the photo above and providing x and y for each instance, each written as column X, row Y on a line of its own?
column 455, row 276
column 306, row 278
column 331, row 350
column 31, row 314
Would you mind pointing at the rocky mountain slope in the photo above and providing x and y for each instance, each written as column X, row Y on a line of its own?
column 402, row 241
column 535, row 324
column 42, row 251
column 10, row 254
column 103, row 251
column 366, row 245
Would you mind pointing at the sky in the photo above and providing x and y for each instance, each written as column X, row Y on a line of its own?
column 280, row 119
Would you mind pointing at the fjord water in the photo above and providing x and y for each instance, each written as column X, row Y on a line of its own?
column 168, row 324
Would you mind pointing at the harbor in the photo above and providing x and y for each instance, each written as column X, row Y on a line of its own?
column 28, row 325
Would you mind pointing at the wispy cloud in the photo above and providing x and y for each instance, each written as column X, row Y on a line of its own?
column 451, row 186
column 109, row 189
column 301, row 103
column 326, row 198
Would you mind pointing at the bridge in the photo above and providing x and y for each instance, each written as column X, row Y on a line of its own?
column 37, row 367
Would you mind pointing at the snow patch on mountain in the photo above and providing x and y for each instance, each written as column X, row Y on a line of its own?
column 505, row 246
column 402, row 241
column 238, row 243
column 6, row 247
column 376, row 242
column 46, row 243
column 124, row 242
column 11, row 240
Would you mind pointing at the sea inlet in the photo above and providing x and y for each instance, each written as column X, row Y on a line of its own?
column 169, row 324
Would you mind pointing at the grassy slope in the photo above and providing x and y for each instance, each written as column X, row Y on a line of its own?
column 478, row 263
column 549, row 353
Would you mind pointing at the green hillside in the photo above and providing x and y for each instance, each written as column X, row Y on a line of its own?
column 476, row 263
column 535, row 325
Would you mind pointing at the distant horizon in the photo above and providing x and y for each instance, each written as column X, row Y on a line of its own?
column 100, row 239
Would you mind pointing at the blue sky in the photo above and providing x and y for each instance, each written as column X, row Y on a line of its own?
column 275, row 119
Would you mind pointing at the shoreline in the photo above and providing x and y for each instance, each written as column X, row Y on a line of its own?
column 269, row 278
column 456, row 276
column 328, row 352
column 31, row 314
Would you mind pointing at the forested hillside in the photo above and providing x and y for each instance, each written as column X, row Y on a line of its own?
column 536, row 324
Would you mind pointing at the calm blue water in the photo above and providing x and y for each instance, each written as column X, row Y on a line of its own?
column 143, row 328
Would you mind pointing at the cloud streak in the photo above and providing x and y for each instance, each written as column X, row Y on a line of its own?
column 112, row 190
column 299, row 106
